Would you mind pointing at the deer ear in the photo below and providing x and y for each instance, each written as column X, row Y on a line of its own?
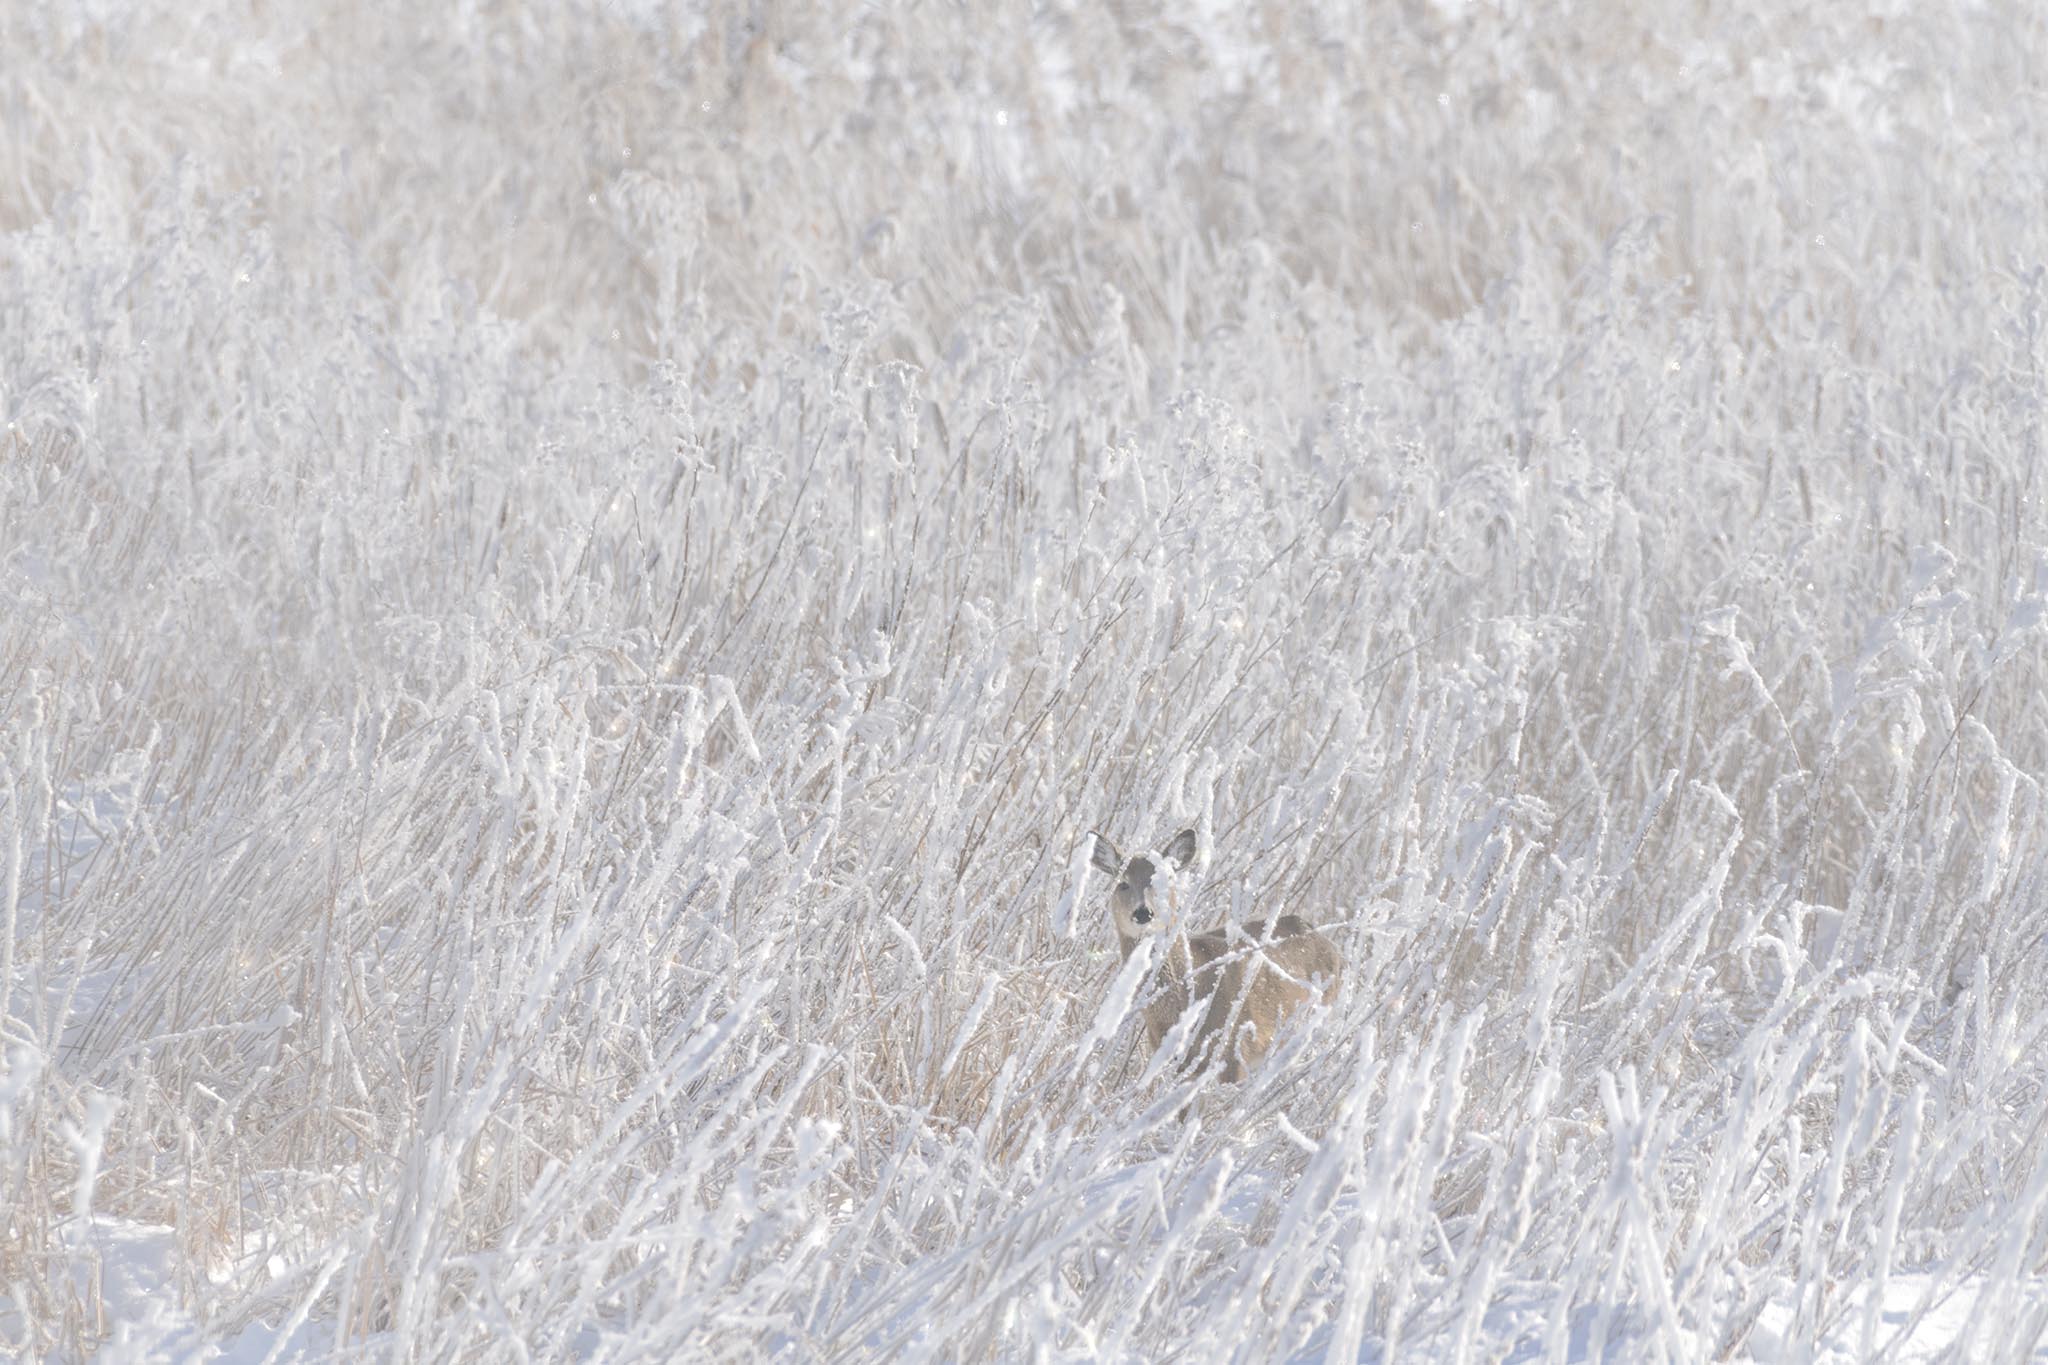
column 1182, row 849
column 1105, row 857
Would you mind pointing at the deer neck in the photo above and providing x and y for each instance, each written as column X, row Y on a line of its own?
column 1174, row 959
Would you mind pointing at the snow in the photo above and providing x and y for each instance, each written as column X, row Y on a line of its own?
column 124, row 1277
column 575, row 579
column 1921, row 1315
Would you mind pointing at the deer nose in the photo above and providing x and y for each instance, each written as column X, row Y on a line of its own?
column 1142, row 915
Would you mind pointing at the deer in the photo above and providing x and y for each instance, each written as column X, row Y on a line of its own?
column 1252, row 977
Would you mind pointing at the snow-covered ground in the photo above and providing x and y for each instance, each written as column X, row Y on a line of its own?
column 573, row 579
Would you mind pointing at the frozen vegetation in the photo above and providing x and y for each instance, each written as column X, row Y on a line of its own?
column 573, row 578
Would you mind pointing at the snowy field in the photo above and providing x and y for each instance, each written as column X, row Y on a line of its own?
column 574, row 576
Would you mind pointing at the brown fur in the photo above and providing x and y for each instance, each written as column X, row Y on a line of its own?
column 1252, row 982
column 1252, row 985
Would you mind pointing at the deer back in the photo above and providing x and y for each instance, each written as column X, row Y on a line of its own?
column 1253, row 980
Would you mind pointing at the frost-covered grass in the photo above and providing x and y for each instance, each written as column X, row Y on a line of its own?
column 572, row 579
